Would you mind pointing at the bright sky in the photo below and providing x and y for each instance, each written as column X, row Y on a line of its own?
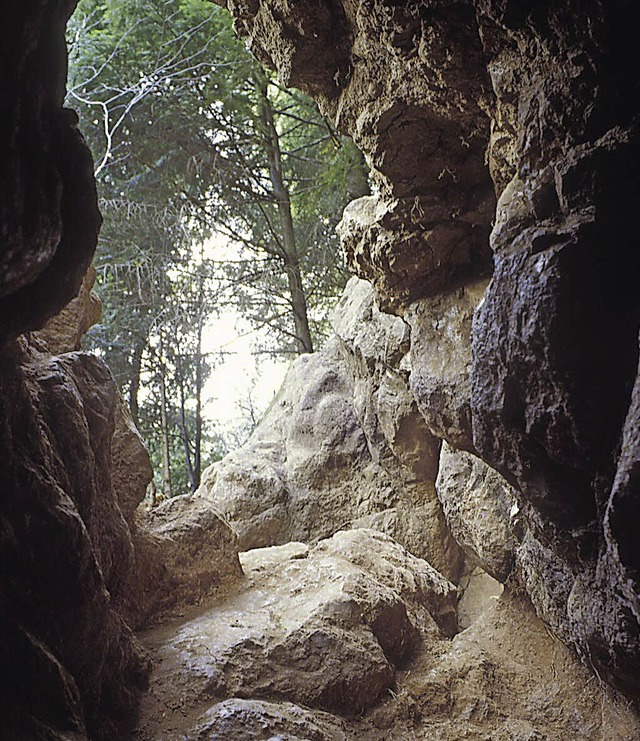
column 238, row 376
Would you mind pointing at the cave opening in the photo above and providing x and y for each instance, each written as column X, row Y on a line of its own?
column 430, row 528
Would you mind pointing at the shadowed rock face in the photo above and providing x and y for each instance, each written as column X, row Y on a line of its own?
column 453, row 102
column 49, row 217
column 70, row 664
column 66, row 552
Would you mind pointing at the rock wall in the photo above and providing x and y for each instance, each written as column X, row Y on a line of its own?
column 73, row 468
column 71, row 665
column 498, row 134
column 342, row 445
column 70, row 662
column 81, row 566
column 499, row 124
column 48, row 203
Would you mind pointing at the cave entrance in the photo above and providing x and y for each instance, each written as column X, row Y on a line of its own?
column 220, row 189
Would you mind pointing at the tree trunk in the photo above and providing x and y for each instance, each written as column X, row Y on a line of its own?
column 197, row 451
column 164, row 423
column 184, row 431
column 283, row 200
column 134, row 384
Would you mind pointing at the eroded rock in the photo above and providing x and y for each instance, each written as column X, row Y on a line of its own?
column 440, row 377
column 342, row 445
column 49, row 216
column 480, row 509
column 504, row 677
column 248, row 720
column 64, row 331
column 131, row 470
column 185, row 553
column 415, row 97
column 323, row 627
column 65, row 547
column 554, row 354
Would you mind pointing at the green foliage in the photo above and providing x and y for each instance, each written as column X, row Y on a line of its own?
column 173, row 108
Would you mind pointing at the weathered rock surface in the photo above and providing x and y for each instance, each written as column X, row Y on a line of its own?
column 343, row 445
column 555, row 340
column 325, row 628
column 131, row 470
column 427, row 89
column 184, row 553
column 250, row 720
column 424, row 88
column 440, row 377
column 505, row 677
column 64, row 331
column 316, row 627
column 65, row 550
column 480, row 509
column 408, row 82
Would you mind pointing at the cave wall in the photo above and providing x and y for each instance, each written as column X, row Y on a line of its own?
column 492, row 126
column 503, row 140
column 48, row 204
column 71, row 668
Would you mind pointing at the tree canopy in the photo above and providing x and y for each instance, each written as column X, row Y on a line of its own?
column 197, row 147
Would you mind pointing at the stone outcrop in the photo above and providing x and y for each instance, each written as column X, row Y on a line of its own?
column 439, row 96
column 184, row 554
column 491, row 126
column 66, row 552
column 71, row 666
column 409, row 83
column 48, row 204
column 342, row 445
column 64, row 331
column 480, row 509
column 340, row 641
column 440, row 378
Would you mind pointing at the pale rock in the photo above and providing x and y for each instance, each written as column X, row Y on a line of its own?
column 63, row 332
column 255, row 720
column 131, row 470
column 248, row 488
column 319, row 461
column 325, row 627
column 505, row 677
column 185, row 553
column 478, row 505
column 478, row 593
column 375, row 347
column 441, row 361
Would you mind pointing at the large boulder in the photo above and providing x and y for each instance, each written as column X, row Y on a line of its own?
column 185, row 554
column 349, row 626
column 342, row 445
column 481, row 510
column 326, row 628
